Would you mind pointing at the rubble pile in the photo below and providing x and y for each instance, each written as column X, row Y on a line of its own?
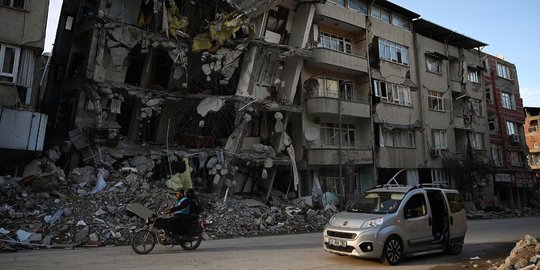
column 504, row 213
column 524, row 256
column 88, row 208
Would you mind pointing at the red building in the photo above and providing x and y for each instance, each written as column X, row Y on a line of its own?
column 513, row 181
column 532, row 135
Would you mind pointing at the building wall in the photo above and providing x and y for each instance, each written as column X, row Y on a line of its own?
column 24, row 27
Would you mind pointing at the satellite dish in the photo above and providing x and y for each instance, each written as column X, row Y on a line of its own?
column 311, row 134
column 311, row 85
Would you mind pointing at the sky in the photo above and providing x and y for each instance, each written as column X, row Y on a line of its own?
column 510, row 28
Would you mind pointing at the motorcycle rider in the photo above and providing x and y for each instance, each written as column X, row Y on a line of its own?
column 179, row 222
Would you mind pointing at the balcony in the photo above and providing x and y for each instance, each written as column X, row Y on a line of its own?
column 327, row 153
column 461, row 123
column 326, row 104
column 341, row 17
column 324, row 58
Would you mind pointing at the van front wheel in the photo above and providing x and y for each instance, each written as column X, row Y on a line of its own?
column 393, row 250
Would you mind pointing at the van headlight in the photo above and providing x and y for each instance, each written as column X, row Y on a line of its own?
column 332, row 219
column 373, row 223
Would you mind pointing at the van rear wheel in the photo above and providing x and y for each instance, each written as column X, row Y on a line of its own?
column 454, row 249
column 393, row 250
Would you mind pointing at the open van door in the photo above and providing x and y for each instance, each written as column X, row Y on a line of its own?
column 458, row 221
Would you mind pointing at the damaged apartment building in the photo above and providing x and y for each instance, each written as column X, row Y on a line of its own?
column 22, row 84
column 300, row 96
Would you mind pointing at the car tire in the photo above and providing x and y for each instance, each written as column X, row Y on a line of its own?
column 454, row 249
column 393, row 250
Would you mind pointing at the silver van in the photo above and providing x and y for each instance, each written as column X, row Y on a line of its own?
column 392, row 221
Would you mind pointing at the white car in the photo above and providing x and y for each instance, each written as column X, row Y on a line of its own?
column 392, row 221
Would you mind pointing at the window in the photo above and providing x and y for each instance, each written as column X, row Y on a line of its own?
column 477, row 141
column 340, row 3
column 9, row 63
column 489, row 98
column 379, row 90
column 394, row 52
column 334, row 42
column 333, row 184
column 12, row 3
column 380, row 13
column 415, row 206
column 533, row 126
column 508, row 101
column 392, row 93
column 398, row 138
column 358, row 6
column 492, row 122
column 435, row 101
column 511, row 128
column 335, row 88
column 433, row 65
column 330, row 133
column 473, row 75
column 438, row 139
column 515, row 158
column 534, row 159
column 440, row 176
column 455, row 201
column 477, row 107
column 496, row 155
column 503, row 71
column 400, row 21
column 401, row 95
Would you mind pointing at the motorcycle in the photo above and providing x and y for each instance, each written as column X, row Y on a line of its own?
column 144, row 239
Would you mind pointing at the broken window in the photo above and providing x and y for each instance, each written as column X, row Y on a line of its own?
column 275, row 25
column 379, row 90
column 433, row 64
column 358, row 6
column 477, row 106
column 511, row 128
column 9, row 63
column 393, row 52
column 533, row 126
column 135, row 61
column 398, row 138
column 161, row 69
column 401, row 95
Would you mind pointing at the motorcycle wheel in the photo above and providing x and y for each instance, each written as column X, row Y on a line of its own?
column 143, row 241
column 192, row 243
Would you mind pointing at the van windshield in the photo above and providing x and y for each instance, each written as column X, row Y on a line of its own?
column 377, row 203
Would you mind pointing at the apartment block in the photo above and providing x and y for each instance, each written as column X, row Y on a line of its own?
column 22, row 38
column 301, row 97
column 532, row 137
column 513, row 178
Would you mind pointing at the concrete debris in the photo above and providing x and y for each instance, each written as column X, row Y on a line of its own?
column 524, row 256
column 209, row 104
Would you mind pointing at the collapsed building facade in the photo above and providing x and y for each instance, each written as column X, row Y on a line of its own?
column 331, row 96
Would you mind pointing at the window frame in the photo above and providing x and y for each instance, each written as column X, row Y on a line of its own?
column 508, row 100
column 346, row 89
column 15, row 67
column 335, row 42
column 361, row 6
column 473, row 75
column 434, row 96
column 477, row 107
column 398, row 138
column 13, row 2
column 439, row 140
column 393, row 52
column 435, row 62
column 503, row 71
column 477, row 140
column 347, row 131
column 512, row 128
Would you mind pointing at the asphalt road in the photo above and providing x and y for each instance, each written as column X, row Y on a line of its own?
column 487, row 239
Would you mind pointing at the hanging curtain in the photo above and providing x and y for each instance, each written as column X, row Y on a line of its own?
column 412, row 177
column 26, row 68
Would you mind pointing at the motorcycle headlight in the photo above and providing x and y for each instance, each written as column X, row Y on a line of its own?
column 373, row 223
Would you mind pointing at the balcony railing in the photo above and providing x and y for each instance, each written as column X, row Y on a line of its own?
column 352, row 97
column 334, row 144
column 354, row 52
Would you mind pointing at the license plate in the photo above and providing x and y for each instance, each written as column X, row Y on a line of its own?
column 337, row 242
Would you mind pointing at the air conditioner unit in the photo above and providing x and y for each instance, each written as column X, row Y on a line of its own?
column 435, row 152
column 514, row 138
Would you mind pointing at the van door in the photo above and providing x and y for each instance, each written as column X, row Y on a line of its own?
column 417, row 223
column 458, row 217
